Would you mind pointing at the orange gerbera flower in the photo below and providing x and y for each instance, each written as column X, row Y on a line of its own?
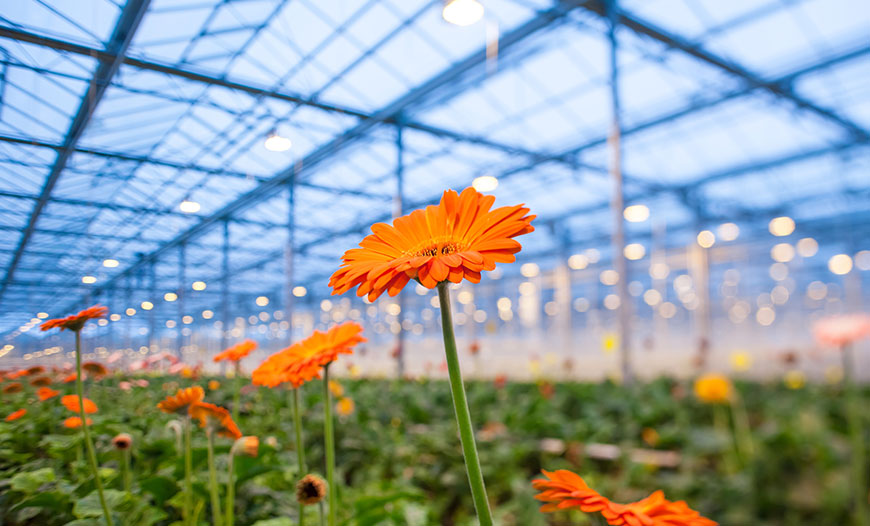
column 215, row 418
column 70, row 378
column 303, row 360
column 713, row 388
column 44, row 393
column 16, row 415
column 563, row 489
column 40, row 381
column 74, row 422
column 16, row 374
column 14, row 387
column 95, row 368
column 237, row 352
column 71, row 402
column 182, row 399
column 458, row 238
column 75, row 322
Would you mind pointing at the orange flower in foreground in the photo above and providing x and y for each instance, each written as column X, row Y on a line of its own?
column 71, row 402
column 563, row 489
column 75, row 322
column 14, row 387
column 303, row 360
column 16, row 415
column 74, row 422
column 236, row 352
column 44, row 393
column 216, row 418
column 17, row 374
column 95, row 368
column 458, row 238
column 713, row 388
column 182, row 399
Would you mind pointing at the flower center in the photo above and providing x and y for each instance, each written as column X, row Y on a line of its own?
column 436, row 247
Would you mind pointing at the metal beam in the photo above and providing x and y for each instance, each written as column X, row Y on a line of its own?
column 779, row 89
column 389, row 113
column 128, row 21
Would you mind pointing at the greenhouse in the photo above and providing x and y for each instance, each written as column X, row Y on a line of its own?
column 434, row 262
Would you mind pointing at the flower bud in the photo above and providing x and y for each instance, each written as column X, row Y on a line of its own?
column 122, row 441
column 310, row 490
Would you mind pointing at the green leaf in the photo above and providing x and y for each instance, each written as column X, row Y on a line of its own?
column 89, row 506
column 50, row 500
column 30, row 481
column 161, row 488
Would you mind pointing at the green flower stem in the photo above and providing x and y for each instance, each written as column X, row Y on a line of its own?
column 237, row 379
column 231, row 489
column 856, row 432
column 92, row 457
column 463, row 417
column 742, row 429
column 322, row 519
column 329, row 440
column 125, row 469
column 188, row 470
column 723, row 428
column 300, row 446
column 212, row 482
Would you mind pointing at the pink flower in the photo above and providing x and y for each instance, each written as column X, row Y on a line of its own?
column 839, row 331
column 125, row 386
column 142, row 383
column 137, row 366
column 114, row 357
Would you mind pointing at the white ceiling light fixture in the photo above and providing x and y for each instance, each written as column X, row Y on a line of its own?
column 277, row 143
column 110, row 263
column 188, row 206
column 462, row 12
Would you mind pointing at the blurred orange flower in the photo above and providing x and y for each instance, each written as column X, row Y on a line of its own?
column 213, row 385
column 182, row 399
column 44, row 393
column 75, row 322
column 40, row 381
column 216, row 418
column 713, row 388
column 563, row 489
column 249, row 446
column 36, row 369
column 95, row 368
column 458, row 238
column 70, row 378
column 14, row 387
column 71, row 402
column 16, row 374
column 303, row 360
column 16, row 415
column 236, row 352
column 74, row 422
column 345, row 406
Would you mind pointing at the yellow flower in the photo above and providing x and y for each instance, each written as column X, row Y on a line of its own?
column 355, row 371
column 336, row 389
column 214, row 385
column 795, row 379
column 741, row 360
column 344, row 406
column 650, row 436
column 713, row 388
column 609, row 343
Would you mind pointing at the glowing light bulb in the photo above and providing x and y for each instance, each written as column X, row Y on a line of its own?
column 636, row 213
column 262, row 301
column 300, row 291
column 840, row 264
column 277, row 143
column 42, row 315
column 485, row 183
column 189, row 207
column 170, row 296
column 147, row 305
column 110, row 263
column 89, row 279
column 706, row 238
column 462, row 12
column 781, row 226
column 198, row 285
column 728, row 231
column 634, row 251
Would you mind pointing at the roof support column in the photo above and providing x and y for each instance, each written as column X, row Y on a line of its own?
column 399, row 210
column 617, row 200
column 225, row 290
column 289, row 255
column 182, row 277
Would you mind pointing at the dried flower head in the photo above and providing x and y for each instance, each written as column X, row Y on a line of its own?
column 310, row 490
column 122, row 441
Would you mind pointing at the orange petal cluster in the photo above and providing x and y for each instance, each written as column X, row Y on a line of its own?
column 75, row 322
column 74, row 422
column 303, row 360
column 455, row 240
column 218, row 418
column 44, row 393
column 563, row 489
column 713, row 388
column 71, row 402
column 16, row 415
column 182, row 399
column 236, row 352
